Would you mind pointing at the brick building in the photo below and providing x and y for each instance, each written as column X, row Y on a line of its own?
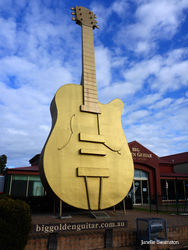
column 162, row 178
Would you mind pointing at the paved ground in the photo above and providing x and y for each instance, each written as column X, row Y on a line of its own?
column 130, row 216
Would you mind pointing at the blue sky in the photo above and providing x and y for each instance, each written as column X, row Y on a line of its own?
column 141, row 53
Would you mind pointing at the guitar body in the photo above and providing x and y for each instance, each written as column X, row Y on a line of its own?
column 86, row 160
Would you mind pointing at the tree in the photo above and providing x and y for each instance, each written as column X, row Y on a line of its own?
column 3, row 162
column 15, row 224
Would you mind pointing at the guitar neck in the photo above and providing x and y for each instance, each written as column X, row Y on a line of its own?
column 90, row 100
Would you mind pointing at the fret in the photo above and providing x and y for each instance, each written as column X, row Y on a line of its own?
column 92, row 96
column 89, row 99
column 92, row 102
column 88, row 46
column 89, row 72
column 90, row 88
column 90, row 80
column 88, row 49
column 89, row 59
column 88, row 55
column 90, row 91
column 88, row 67
column 89, row 76
column 90, row 85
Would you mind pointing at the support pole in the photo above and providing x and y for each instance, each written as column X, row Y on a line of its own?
column 60, row 208
column 124, row 210
column 114, row 208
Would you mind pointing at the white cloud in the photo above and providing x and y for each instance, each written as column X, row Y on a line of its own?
column 103, row 66
column 117, row 90
column 7, row 33
column 137, row 116
column 12, row 131
column 161, row 130
column 163, row 73
column 120, row 7
column 161, row 104
column 153, row 20
column 171, row 77
column 42, row 51
column 140, row 71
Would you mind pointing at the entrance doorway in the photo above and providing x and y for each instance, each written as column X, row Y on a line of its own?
column 140, row 188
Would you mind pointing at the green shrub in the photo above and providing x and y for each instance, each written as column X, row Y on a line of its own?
column 4, row 196
column 15, row 224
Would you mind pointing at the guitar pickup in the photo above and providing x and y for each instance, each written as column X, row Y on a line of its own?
column 93, row 172
column 86, row 151
column 91, row 138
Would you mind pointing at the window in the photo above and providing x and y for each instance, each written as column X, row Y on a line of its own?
column 180, row 189
column 172, row 188
column 35, row 186
column 186, row 189
column 163, row 189
column 140, row 189
column 25, row 185
column 140, row 174
column 19, row 185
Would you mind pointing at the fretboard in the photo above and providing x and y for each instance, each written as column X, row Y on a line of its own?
column 90, row 100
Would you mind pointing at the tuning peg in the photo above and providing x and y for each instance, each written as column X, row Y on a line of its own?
column 73, row 13
column 73, row 19
column 73, row 8
column 95, row 16
column 96, row 26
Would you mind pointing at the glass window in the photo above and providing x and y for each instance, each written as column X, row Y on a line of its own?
column 144, row 174
column 137, row 186
column 163, row 189
column 137, row 173
column 171, row 190
column 180, row 189
column 186, row 189
column 19, row 185
column 7, row 184
column 35, row 186
column 140, row 174
column 145, row 191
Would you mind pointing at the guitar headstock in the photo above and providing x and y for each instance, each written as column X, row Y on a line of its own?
column 84, row 16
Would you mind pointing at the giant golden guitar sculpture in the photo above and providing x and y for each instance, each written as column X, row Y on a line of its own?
column 86, row 160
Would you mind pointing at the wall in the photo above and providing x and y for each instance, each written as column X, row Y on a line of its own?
column 96, row 239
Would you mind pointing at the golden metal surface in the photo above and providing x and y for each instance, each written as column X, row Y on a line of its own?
column 92, row 138
column 86, row 160
column 93, row 172
column 62, row 158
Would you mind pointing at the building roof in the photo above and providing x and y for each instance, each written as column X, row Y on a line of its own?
column 35, row 159
column 175, row 159
column 34, row 168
